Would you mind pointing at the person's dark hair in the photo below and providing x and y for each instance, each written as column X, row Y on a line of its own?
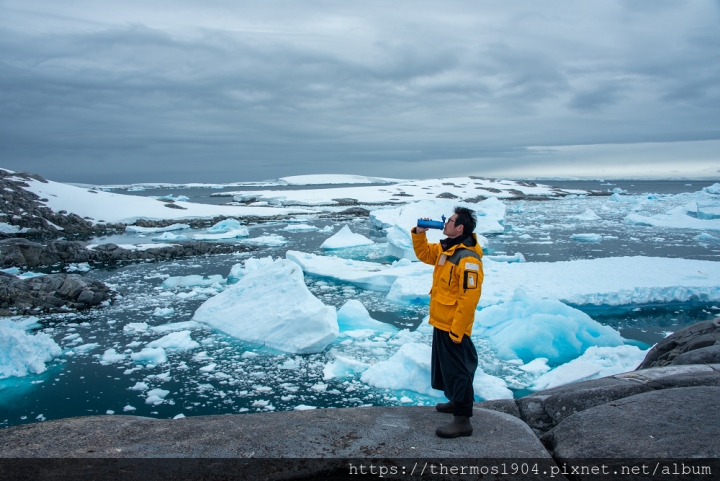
column 466, row 218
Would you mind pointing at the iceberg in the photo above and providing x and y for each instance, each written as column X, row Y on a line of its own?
column 22, row 353
column 588, row 215
column 488, row 387
column 353, row 316
column 695, row 215
column 273, row 307
column 248, row 265
column 596, row 362
column 586, row 237
column 527, row 328
column 712, row 189
column 225, row 226
column 342, row 366
column 345, row 238
column 609, row 281
column 398, row 221
column 707, row 210
column 366, row 275
column 408, row 368
column 175, row 341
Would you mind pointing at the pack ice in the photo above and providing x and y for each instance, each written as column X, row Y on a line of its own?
column 22, row 353
column 272, row 307
column 398, row 221
column 611, row 281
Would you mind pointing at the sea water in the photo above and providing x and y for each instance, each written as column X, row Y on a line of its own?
column 225, row 375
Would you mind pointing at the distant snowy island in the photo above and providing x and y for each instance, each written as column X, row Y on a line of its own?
column 304, row 292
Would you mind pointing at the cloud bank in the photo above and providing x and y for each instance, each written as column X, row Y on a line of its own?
column 188, row 91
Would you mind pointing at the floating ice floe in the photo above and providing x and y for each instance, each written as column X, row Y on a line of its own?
column 150, row 355
column 22, row 353
column 193, row 281
column 704, row 237
column 353, row 316
column 176, row 326
column 517, row 257
column 111, row 356
column 79, row 267
column 366, row 275
column 135, row 327
column 528, row 328
column 272, row 307
column 163, row 312
column 248, row 265
column 175, row 341
column 169, row 236
column 156, row 396
column 587, row 238
column 300, row 228
column 409, row 369
column 345, row 238
column 595, row 362
column 225, row 226
column 588, row 215
column 702, row 218
column 271, row 240
column 610, row 281
column 398, row 221
column 152, row 230
column 342, row 366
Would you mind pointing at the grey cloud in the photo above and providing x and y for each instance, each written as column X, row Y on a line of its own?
column 270, row 89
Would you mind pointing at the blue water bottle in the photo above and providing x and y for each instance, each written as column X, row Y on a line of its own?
column 431, row 224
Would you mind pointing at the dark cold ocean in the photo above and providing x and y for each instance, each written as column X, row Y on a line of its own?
column 225, row 375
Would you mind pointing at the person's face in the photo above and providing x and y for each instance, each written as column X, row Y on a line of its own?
column 451, row 230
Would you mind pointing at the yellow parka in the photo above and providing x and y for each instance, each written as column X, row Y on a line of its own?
column 457, row 282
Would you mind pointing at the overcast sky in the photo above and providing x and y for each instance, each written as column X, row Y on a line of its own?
column 219, row 91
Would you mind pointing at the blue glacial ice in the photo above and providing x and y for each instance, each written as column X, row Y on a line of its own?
column 193, row 281
column 169, row 236
column 274, row 308
column 152, row 230
column 529, row 328
column 22, row 353
column 594, row 238
column 594, row 363
column 345, row 238
column 226, row 229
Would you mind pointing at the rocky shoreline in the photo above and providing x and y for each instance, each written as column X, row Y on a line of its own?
column 666, row 412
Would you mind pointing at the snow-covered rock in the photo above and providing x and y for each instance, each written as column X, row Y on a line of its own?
column 272, row 307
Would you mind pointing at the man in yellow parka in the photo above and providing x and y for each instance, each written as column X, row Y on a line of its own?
column 455, row 293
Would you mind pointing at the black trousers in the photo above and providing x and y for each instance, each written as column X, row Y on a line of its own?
column 452, row 370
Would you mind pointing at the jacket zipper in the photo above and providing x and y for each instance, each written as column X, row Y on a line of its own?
column 450, row 277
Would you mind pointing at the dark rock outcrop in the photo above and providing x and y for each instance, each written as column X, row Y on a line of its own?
column 24, row 253
column 29, row 213
column 678, row 347
column 51, row 293
column 677, row 423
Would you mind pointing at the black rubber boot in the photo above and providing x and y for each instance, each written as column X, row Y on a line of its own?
column 448, row 407
column 460, row 426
